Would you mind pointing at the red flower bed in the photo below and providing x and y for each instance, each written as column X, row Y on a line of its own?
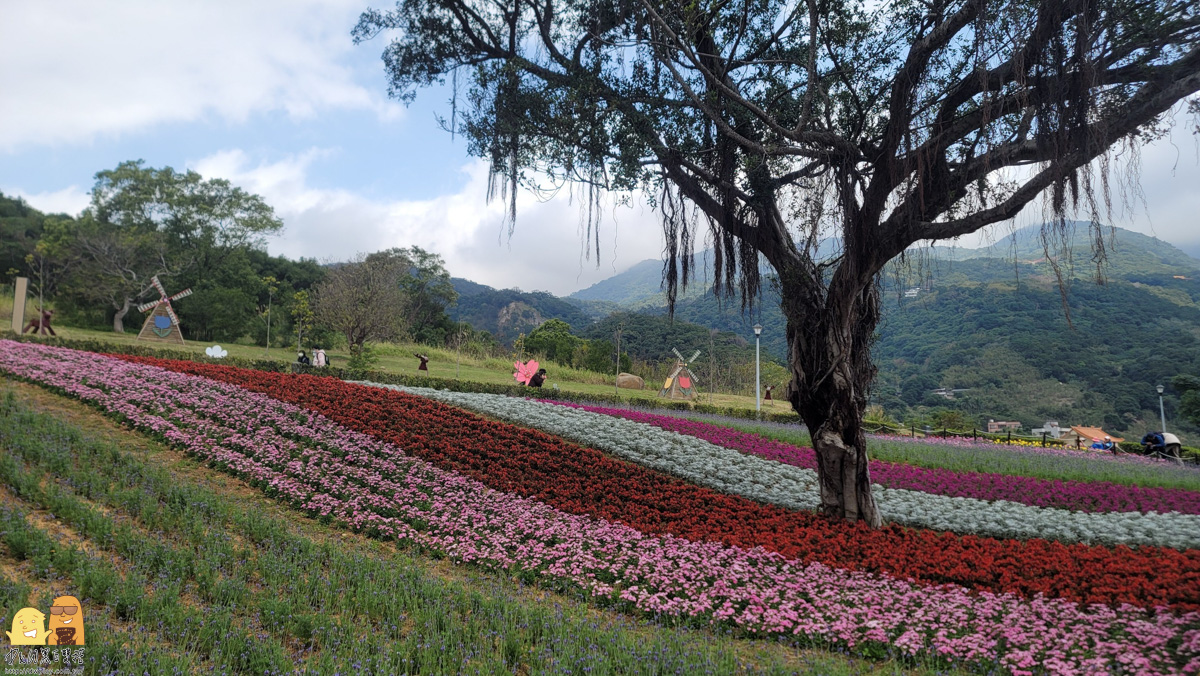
column 584, row 481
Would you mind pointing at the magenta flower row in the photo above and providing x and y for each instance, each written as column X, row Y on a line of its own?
column 1084, row 496
column 373, row 487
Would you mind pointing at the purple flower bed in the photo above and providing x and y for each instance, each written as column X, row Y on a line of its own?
column 1085, row 496
column 368, row 485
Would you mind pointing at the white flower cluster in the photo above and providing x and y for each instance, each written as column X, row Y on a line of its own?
column 762, row 480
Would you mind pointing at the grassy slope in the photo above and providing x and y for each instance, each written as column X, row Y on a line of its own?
column 398, row 358
column 183, row 570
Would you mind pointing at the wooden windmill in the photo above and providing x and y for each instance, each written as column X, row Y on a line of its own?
column 162, row 324
column 681, row 383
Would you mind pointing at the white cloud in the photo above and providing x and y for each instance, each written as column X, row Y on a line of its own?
column 70, row 200
column 545, row 252
column 1168, row 206
column 74, row 69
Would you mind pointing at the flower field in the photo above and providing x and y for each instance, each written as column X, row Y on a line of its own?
column 502, row 497
column 1090, row 496
column 794, row 486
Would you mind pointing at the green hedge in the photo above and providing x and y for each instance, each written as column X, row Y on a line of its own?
column 732, row 412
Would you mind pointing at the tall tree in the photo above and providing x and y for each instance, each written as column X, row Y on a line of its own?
column 362, row 299
column 780, row 123
column 202, row 219
column 150, row 221
column 428, row 289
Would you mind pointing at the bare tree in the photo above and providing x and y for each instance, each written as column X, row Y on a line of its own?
column 363, row 300
column 778, row 124
column 117, row 264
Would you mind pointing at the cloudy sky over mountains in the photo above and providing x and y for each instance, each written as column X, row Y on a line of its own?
column 274, row 96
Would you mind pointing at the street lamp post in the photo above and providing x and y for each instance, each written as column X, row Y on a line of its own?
column 1161, row 411
column 757, row 384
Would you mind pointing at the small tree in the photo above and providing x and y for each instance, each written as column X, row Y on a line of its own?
column 362, row 300
column 49, row 265
column 302, row 316
column 553, row 340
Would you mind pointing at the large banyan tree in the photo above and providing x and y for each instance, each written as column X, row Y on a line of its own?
column 778, row 124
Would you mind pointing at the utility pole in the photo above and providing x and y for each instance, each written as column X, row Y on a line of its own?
column 712, row 366
column 757, row 384
column 1162, row 412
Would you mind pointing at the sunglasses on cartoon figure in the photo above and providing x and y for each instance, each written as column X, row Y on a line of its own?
column 64, row 610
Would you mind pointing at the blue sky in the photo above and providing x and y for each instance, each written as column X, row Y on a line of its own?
column 273, row 96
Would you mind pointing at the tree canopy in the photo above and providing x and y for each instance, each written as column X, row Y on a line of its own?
column 363, row 299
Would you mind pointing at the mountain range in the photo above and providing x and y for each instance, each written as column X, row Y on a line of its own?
column 994, row 322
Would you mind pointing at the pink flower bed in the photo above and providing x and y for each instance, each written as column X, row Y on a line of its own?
column 371, row 486
column 1085, row 496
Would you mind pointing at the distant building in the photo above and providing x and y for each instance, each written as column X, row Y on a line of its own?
column 947, row 392
column 913, row 292
column 1050, row 429
column 1002, row 426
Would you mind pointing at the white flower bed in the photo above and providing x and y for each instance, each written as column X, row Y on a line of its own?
column 771, row 482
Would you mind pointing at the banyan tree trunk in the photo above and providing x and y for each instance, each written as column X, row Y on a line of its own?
column 829, row 336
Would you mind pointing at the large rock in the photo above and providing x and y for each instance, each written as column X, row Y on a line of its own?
column 630, row 381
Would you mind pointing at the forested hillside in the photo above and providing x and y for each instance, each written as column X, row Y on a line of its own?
column 992, row 321
column 1012, row 348
column 507, row 313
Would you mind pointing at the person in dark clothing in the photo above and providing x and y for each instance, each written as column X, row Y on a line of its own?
column 538, row 378
column 424, row 362
column 44, row 324
column 302, row 358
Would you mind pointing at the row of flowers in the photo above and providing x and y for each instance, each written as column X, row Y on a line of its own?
column 1083, row 496
column 372, row 486
column 581, row 480
column 794, row 487
column 1090, row 455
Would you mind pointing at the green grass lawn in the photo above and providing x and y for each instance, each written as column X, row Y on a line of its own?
column 398, row 358
column 183, row 570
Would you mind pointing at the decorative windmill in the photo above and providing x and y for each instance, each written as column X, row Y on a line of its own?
column 680, row 384
column 162, row 324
